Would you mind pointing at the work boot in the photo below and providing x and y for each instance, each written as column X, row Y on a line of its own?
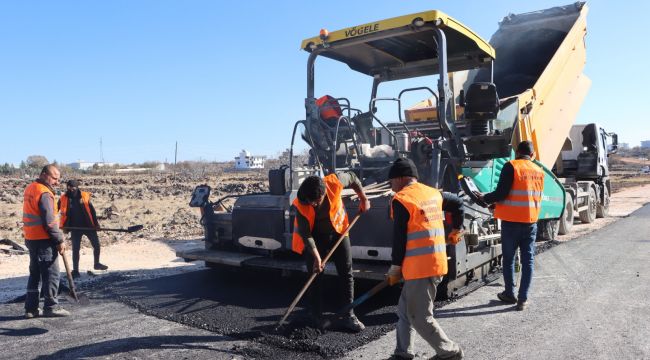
column 56, row 312
column 398, row 355
column 75, row 274
column 521, row 305
column 508, row 299
column 353, row 324
column 458, row 356
column 100, row 266
column 32, row 314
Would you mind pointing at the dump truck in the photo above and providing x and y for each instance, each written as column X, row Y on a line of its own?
column 487, row 96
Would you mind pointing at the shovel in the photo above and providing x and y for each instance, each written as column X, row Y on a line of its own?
column 130, row 229
column 79, row 298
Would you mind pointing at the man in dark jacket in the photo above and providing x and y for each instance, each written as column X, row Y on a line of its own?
column 44, row 240
column 77, row 213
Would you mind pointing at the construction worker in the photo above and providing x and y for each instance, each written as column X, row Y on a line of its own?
column 419, row 257
column 77, row 212
column 44, row 240
column 518, row 196
column 320, row 221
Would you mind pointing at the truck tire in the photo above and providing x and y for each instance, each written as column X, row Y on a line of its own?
column 588, row 216
column 602, row 210
column 566, row 221
column 547, row 230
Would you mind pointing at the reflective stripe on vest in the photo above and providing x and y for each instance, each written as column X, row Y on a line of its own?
column 33, row 227
column 524, row 200
column 85, row 200
column 426, row 251
column 338, row 216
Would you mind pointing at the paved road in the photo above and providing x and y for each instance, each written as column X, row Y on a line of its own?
column 589, row 301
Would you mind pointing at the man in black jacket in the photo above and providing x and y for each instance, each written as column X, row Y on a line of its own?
column 78, row 212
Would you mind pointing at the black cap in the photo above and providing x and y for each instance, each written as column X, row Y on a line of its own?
column 73, row 183
column 402, row 167
column 525, row 148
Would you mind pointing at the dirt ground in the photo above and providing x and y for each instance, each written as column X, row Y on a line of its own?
column 160, row 203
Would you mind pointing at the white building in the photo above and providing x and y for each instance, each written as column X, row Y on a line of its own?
column 247, row 161
column 87, row 165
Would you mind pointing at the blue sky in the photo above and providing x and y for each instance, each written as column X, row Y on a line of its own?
column 220, row 76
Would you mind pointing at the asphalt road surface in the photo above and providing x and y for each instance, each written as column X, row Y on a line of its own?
column 588, row 301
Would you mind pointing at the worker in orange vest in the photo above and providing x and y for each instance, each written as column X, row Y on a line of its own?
column 78, row 212
column 517, row 200
column 320, row 221
column 420, row 257
column 44, row 240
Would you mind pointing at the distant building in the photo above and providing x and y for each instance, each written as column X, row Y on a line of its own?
column 247, row 161
column 87, row 165
column 624, row 146
column 645, row 144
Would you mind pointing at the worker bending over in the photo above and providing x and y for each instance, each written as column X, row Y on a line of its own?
column 320, row 221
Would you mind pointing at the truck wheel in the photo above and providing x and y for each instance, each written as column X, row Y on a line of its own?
column 547, row 229
column 602, row 210
column 566, row 221
column 588, row 216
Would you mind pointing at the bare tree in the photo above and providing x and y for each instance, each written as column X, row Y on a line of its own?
column 36, row 161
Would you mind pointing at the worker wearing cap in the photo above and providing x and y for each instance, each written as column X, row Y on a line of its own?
column 44, row 240
column 419, row 257
column 320, row 221
column 518, row 198
column 78, row 213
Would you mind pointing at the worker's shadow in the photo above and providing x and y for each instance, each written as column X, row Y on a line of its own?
column 30, row 331
column 478, row 310
column 130, row 344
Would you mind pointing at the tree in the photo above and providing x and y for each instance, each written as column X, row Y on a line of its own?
column 36, row 161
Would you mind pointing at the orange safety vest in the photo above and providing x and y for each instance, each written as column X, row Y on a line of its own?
column 85, row 200
column 33, row 227
column 426, row 251
column 525, row 197
column 338, row 216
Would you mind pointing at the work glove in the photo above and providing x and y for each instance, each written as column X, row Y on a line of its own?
column 394, row 275
column 479, row 199
column 455, row 236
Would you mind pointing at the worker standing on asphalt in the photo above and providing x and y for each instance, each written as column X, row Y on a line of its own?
column 420, row 257
column 78, row 212
column 44, row 240
column 320, row 221
column 518, row 198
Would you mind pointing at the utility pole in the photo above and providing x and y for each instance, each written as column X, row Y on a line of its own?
column 101, row 151
column 175, row 158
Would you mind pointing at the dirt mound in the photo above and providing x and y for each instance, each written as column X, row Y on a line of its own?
column 159, row 202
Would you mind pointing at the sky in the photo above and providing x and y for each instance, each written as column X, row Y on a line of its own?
column 216, row 77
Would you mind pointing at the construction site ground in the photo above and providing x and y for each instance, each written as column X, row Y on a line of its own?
column 588, row 299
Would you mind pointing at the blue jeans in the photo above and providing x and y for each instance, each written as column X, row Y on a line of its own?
column 518, row 235
column 43, row 267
